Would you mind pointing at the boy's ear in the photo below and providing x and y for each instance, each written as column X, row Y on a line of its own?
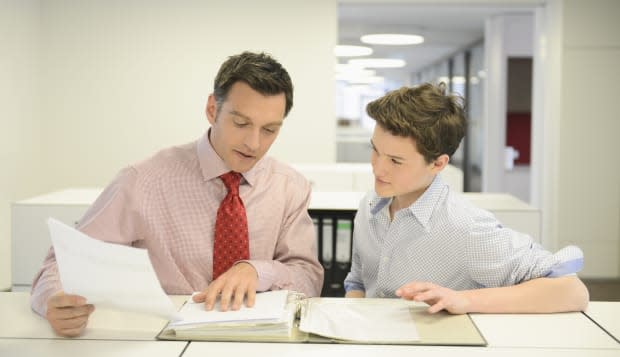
column 440, row 162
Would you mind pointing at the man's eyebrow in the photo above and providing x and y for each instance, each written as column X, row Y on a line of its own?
column 241, row 115
column 390, row 156
column 236, row 113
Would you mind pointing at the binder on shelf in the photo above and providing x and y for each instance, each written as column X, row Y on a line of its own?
column 328, row 233
column 285, row 316
column 343, row 241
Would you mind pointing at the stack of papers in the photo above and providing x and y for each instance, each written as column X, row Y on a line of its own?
column 271, row 317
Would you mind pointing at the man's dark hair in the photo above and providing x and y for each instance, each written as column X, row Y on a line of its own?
column 260, row 71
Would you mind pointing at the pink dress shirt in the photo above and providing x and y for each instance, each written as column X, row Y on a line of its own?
column 167, row 204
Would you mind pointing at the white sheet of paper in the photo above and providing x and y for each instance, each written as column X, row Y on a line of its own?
column 269, row 306
column 107, row 274
column 357, row 320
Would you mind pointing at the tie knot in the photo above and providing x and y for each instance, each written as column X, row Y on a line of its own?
column 231, row 181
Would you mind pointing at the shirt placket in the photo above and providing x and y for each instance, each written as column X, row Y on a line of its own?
column 387, row 251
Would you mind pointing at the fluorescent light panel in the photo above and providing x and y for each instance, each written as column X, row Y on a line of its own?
column 392, row 39
column 352, row 51
column 377, row 62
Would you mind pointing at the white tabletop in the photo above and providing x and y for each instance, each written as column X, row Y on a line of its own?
column 607, row 315
column 90, row 348
column 201, row 349
column 103, row 323
column 563, row 330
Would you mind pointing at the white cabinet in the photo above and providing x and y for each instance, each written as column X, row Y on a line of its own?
column 30, row 238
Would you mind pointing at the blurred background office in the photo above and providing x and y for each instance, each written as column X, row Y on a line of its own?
column 88, row 87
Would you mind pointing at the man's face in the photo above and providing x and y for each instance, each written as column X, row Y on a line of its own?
column 400, row 170
column 245, row 126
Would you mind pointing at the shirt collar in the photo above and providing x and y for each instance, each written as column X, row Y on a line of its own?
column 422, row 208
column 212, row 166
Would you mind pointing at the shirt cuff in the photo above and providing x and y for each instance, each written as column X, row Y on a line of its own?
column 570, row 261
column 350, row 286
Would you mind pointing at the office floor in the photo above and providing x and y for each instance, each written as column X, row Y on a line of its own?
column 603, row 289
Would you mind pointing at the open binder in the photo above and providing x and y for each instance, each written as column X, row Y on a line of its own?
column 284, row 316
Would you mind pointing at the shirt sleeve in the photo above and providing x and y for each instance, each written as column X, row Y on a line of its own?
column 499, row 256
column 295, row 265
column 353, row 280
column 111, row 218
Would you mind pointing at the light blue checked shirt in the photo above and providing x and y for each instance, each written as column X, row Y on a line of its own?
column 443, row 239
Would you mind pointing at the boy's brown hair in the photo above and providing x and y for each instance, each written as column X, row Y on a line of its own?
column 425, row 113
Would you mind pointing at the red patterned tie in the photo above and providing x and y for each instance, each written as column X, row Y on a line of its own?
column 231, row 228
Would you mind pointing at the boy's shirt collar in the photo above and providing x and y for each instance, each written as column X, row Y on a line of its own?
column 422, row 208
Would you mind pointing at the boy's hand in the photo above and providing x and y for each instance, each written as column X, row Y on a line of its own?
column 438, row 297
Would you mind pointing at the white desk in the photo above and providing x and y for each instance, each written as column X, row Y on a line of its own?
column 201, row 349
column 607, row 315
column 90, row 348
column 113, row 333
column 565, row 330
column 103, row 324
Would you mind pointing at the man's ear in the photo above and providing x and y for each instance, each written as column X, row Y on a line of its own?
column 440, row 163
column 211, row 109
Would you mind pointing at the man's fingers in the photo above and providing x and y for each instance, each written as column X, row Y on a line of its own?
column 73, row 331
column 200, row 297
column 251, row 296
column 238, row 298
column 211, row 294
column 225, row 297
column 62, row 300
column 68, row 313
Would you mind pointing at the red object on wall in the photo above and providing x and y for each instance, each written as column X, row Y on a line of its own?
column 518, row 135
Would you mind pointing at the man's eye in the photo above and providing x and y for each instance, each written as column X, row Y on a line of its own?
column 269, row 130
column 396, row 162
column 240, row 125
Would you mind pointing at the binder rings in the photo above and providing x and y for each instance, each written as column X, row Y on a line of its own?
column 329, row 320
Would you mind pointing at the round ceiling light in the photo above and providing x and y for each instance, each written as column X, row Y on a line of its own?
column 392, row 39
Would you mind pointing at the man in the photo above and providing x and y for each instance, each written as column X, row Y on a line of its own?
column 215, row 215
column 416, row 239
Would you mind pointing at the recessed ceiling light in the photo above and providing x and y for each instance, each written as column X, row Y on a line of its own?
column 392, row 39
column 352, row 51
column 366, row 80
column 378, row 62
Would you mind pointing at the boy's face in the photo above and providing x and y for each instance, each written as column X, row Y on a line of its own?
column 245, row 126
column 400, row 170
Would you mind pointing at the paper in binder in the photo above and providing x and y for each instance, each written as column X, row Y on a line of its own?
column 285, row 316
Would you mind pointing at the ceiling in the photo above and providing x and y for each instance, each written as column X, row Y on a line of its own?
column 446, row 29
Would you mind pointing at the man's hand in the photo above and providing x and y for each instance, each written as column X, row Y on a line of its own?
column 438, row 297
column 232, row 287
column 68, row 314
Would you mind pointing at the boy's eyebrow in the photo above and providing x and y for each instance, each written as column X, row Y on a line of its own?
column 241, row 115
column 390, row 156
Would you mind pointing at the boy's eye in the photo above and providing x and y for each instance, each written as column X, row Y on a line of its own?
column 270, row 130
column 240, row 124
column 396, row 162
